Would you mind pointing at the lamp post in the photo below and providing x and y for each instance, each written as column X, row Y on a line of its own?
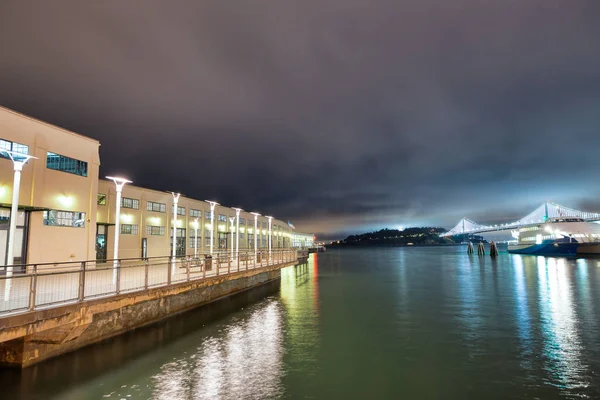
column 212, row 223
column 256, row 215
column 119, row 183
column 19, row 160
column 270, row 221
column 232, row 220
column 237, row 230
column 195, row 237
column 175, row 204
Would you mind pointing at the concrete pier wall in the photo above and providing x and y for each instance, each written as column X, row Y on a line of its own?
column 29, row 338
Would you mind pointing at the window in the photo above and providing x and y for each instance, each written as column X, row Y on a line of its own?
column 12, row 146
column 180, row 210
column 155, row 230
column 130, row 203
column 128, row 229
column 193, row 239
column 157, row 207
column 207, row 241
column 180, row 232
column 264, row 224
column 222, row 218
column 195, row 213
column 64, row 218
column 242, row 221
column 101, row 199
column 66, row 164
column 207, row 214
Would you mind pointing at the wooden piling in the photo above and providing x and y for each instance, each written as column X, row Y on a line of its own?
column 493, row 249
column 480, row 249
column 470, row 249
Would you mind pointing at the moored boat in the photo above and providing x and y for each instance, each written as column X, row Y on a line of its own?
column 563, row 236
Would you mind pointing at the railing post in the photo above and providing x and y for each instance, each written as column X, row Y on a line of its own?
column 82, row 282
column 204, row 268
column 118, row 288
column 228, row 265
column 32, row 288
column 246, row 261
column 218, row 264
column 169, row 270
column 238, row 261
column 146, row 266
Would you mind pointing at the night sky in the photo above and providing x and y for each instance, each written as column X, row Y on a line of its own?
column 339, row 115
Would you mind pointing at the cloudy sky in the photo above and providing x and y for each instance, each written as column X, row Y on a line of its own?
column 338, row 115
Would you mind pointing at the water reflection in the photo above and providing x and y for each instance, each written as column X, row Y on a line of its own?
column 562, row 347
column 245, row 361
column 523, row 317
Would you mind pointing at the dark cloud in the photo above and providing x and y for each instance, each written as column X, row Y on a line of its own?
column 339, row 115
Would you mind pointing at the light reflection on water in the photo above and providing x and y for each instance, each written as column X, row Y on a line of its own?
column 562, row 347
column 244, row 362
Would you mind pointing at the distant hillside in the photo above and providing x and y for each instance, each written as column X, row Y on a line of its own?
column 415, row 236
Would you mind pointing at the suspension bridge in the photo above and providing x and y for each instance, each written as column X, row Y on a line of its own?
column 539, row 215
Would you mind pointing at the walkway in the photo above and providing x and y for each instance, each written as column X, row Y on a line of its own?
column 55, row 285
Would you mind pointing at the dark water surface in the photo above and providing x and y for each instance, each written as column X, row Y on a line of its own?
column 389, row 323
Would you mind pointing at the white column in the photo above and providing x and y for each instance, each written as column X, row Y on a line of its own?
column 255, row 227
column 119, row 183
column 237, row 230
column 18, row 160
column 270, row 235
column 175, row 203
column 212, row 223
column 117, row 229
column 12, row 230
column 196, row 238
column 232, row 220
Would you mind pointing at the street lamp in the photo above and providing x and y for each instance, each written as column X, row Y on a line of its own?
column 175, row 204
column 256, row 215
column 231, row 220
column 196, row 238
column 212, row 222
column 119, row 183
column 270, row 220
column 19, row 160
column 237, row 230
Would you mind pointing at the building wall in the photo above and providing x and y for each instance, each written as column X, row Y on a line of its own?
column 130, row 244
column 46, row 188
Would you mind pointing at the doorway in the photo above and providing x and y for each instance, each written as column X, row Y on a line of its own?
column 101, row 238
column 20, row 242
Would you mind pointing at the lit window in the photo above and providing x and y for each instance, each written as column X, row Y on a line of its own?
column 128, row 229
column 64, row 218
column 12, row 146
column 66, row 164
column 130, row 203
column 180, row 210
column 155, row 230
column 156, row 207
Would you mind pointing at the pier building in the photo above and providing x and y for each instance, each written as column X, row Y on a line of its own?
column 66, row 213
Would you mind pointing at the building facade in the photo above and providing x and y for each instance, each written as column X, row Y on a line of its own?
column 147, row 220
column 56, row 217
column 66, row 213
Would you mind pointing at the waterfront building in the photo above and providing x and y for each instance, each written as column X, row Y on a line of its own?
column 302, row 240
column 67, row 213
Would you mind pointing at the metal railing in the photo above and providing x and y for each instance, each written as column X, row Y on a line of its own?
column 47, row 285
